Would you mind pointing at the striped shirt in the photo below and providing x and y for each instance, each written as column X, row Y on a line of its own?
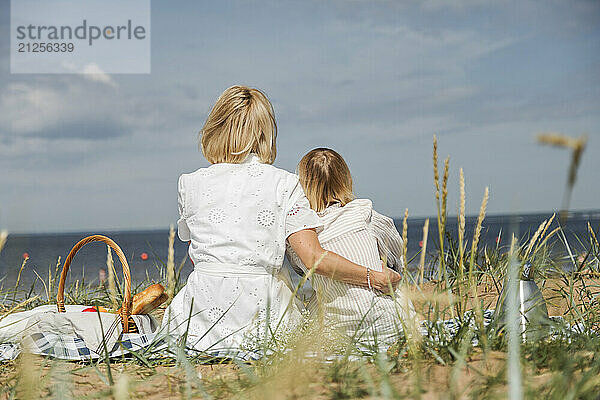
column 365, row 237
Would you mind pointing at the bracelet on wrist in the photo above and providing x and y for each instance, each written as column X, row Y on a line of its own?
column 369, row 278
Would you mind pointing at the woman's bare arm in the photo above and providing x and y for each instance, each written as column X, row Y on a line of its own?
column 306, row 244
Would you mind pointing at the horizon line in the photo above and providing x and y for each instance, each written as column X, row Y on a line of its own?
column 421, row 217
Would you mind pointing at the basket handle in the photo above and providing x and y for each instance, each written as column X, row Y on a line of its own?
column 126, row 308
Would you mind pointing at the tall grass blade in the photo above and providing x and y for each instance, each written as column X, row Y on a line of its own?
column 577, row 146
column 112, row 286
column 514, row 332
column 171, row 282
column 105, row 349
column 404, row 240
column 476, row 235
column 423, row 251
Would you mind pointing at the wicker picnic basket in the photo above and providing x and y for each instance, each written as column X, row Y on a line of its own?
column 129, row 325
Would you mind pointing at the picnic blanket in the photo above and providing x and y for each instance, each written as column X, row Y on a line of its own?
column 446, row 330
column 73, row 348
column 84, row 345
column 73, row 335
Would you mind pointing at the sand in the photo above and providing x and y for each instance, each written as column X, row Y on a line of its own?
column 169, row 381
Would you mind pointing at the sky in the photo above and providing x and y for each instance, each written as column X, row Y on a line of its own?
column 374, row 80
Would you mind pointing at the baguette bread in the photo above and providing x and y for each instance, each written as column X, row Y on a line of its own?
column 148, row 300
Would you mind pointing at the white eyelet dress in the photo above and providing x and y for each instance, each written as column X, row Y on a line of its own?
column 237, row 218
column 365, row 317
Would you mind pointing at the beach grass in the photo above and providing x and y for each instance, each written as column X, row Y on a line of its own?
column 478, row 360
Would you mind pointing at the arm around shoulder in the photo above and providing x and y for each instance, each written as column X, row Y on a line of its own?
column 306, row 245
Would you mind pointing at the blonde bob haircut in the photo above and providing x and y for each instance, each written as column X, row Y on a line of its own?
column 241, row 122
column 325, row 178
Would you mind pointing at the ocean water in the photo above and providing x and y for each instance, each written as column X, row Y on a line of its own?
column 497, row 231
column 44, row 249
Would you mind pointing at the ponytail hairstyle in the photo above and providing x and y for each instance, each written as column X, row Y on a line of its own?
column 325, row 178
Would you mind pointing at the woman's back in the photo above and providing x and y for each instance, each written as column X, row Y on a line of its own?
column 237, row 213
column 237, row 218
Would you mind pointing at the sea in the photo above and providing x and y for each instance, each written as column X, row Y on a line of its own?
column 146, row 251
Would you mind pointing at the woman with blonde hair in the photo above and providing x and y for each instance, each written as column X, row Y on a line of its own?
column 238, row 214
column 352, row 229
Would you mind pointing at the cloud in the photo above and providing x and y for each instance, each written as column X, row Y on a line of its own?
column 61, row 107
column 94, row 73
column 58, row 122
column 88, row 129
column 462, row 5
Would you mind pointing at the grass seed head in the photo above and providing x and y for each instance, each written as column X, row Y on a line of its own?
column 112, row 286
column 171, row 264
column 423, row 251
column 405, row 237
column 445, row 188
column 436, row 175
column 477, row 232
column 3, row 237
column 461, row 212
